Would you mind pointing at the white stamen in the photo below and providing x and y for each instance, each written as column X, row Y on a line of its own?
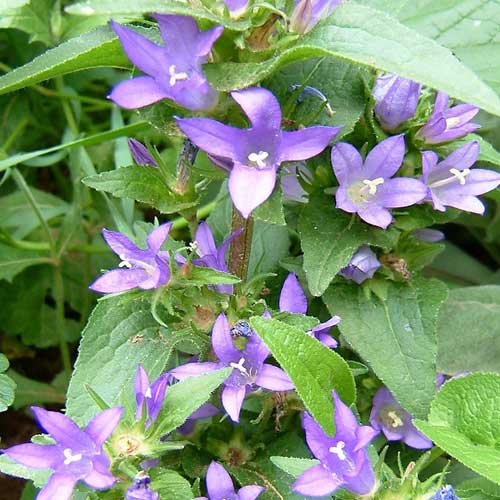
column 372, row 185
column 148, row 393
column 460, row 175
column 239, row 366
column 338, row 450
column 125, row 263
column 259, row 158
column 396, row 421
column 70, row 458
column 176, row 77
column 452, row 122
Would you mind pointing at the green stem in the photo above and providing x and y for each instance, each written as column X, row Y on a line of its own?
column 68, row 112
column 12, row 137
column 240, row 247
column 59, row 299
column 202, row 213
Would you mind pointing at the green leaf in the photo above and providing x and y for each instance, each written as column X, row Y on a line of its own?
column 120, row 333
column 313, row 368
column 200, row 276
column 31, row 392
column 464, row 421
column 363, row 35
column 271, row 210
column 14, row 260
column 11, row 468
column 170, row 484
column 395, row 336
column 294, row 466
column 329, row 238
column 474, row 311
column 177, row 407
column 141, row 183
column 7, row 385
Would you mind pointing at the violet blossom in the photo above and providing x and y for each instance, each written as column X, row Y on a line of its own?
column 453, row 183
column 172, row 71
column 445, row 493
column 141, row 490
column 367, row 188
column 293, row 299
column 396, row 424
column 76, row 455
column 344, row 461
column 140, row 153
column 256, row 152
column 447, row 124
column 220, row 486
column 236, row 7
column 428, row 234
column 290, row 184
column 396, row 100
column 149, row 396
column 249, row 370
column 140, row 268
column 362, row 266
column 206, row 410
column 307, row 13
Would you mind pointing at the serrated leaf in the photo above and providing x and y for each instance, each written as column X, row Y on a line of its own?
column 329, row 238
column 30, row 392
column 199, row 276
column 141, row 183
column 313, row 368
column 464, row 420
column 7, row 385
column 475, row 311
column 177, row 407
column 294, row 466
column 395, row 336
column 271, row 210
column 11, row 468
column 170, row 484
column 371, row 38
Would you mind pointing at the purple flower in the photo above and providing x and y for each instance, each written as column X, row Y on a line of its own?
column 363, row 265
column 388, row 416
column 290, row 185
column 140, row 153
column 367, row 189
column 445, row 493
column 396, row 100
column 140, row 490
column 344, row 462
column 220, row 486
column 77, row 455
column 447, row 124
column 249, row 369
column 236, row 7
column 256, row 152
column 428, row 234
column 145, row 269
column 149, row 395
column 292, row 299
column 206, row 410
column 452, row 182
column 307, row 13
column 172, row 71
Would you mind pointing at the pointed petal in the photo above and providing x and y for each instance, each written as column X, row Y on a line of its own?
column 158, row 389
column 103, row 424
column 385, row 158
column 232, row 401
column 59, row 486
column 292, row 297
column 364, row 481
column 327, row 325
column 119, row 280
column 346, row 162
column 141, row 385
column 221, row 251
column 364, row 435
column 213, row 137
column 465, row 203
column 479, row 181
column 317, row 482
column 140, row 153
column 36, row 456
column 219, row 482
column 429, row 162
column 205, row 240
column 99, row 478
column 345, row 420
column 122, row 245
column 137, row 92
column 463, row 157
column 206, row 39
column 180, row 33
column 416, row 439
column 158, row 277
column 376, row 216
column 327, row 340
column 304, row 144
column 222, row 342
column 261, row 107
column 193, row 370
column 256, row 350
column 343, row 201
column 157, row 237
column 204, row 411
column 440, row 104
column 250, row 187
column 274, row 379
column 143, row 53
column 318, row 442
column 250, row 492
column 401, row 192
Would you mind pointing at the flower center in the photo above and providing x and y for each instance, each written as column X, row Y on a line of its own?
column 148, row 393
column 452, row 122
column 459, row 175
column 176, row 77
column 239, row 366
column 259, row 158
column 372, row 185
column 395, row 420
column 70, row 458
column 131, row 263
column 338, row 450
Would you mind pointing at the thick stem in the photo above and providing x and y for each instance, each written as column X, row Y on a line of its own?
column 59, row 299
column 240, row 248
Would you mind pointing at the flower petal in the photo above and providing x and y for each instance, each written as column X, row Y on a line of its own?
column 157, row 237
column 204, row 411
column 364, row 435
column 304, row 144
column 345, row 420
column 376, row 216
column 327, row 325
column 222, row 342
column 99, row 478
column 141, row 385
column 103, row 424
column 317, row 441
column 316, row 482
column 59, row 486
column 429, row 162
column 261, row 107
column 193, row 370
column 123, row 246
column 401, row 192
column 344, row 202
column 137, row 92
column 206, row 39
column 250, row 187
column 232, row 400
column 250, row 492
column 274, row 379
column 219, row 482
column 158, row 277
column 347, row 163
column 364, row 481
column 465, row 203
column 119, row 280
column 385, row 158
column 463, row 157
column 205, row 240
column 158, row 389
column 479, row 181
column 36, row 456
column 292, row 297
column 416, row 439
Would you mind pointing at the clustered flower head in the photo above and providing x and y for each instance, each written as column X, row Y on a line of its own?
column 76, row 455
